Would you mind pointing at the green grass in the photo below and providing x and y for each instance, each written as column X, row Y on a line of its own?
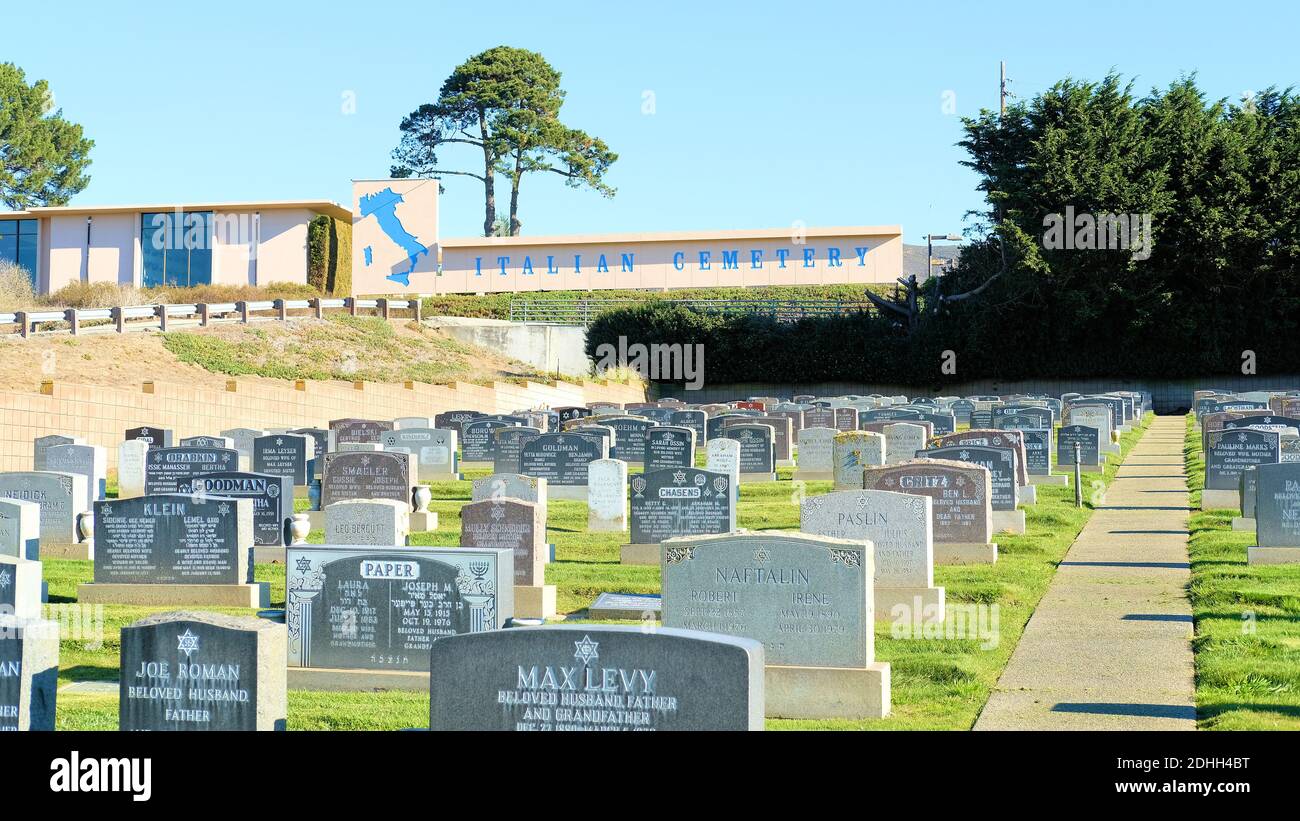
column 1247, row 642
column 937, row 684
column 362, row 348
column 497, row 306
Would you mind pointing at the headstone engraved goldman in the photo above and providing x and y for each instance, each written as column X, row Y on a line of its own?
column 29, row 673
column 59, row 496
column 899, row 526
column 593, row 677
column 1277, row 514
column 677, row 502
column 203, row 671
column 561, row 459
column 358, row 608
column 808, row 599
column 174, row 549
column 1229, row 453
column 961, row 511
column 520, row 527
column 272, row 498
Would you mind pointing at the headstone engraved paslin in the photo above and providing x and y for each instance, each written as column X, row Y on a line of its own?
column 897, row 524
column 203, row 671
column 168, row 470
column 272, row 498
column 29, row 673
column 363, row 608
column 615, row 678
column 667, row 447
column 284, row 454
column 174, row 539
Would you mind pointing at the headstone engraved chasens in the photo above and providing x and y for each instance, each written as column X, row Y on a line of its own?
column 1229, row 453
column 808, row 599
column 174, row 549
column 677, row 502
column 203, row 671
column 358, row 608
column 520, row 527
column 961, row 511
column 596, row 677
column 899, row 526
column 59, row 496
column 1277, row 514
column 29, row 673
column 168, row 470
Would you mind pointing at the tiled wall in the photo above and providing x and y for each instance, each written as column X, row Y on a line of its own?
column 101, row 415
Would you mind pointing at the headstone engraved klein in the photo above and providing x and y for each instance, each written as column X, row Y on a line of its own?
column 520, row 527
column 808, row 599
column 173, row 549
column 1277, row 514
column 59, row 496
column 202, row 671
column 29, row 673
column 677, row 502
column 960, row 510
column 596, row 677
column 352, row 609
column 899, row 525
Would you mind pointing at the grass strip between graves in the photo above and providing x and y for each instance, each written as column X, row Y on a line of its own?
column 940, row 681
column 1247, row 620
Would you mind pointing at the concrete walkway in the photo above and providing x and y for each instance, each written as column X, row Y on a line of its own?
column 1109, row 647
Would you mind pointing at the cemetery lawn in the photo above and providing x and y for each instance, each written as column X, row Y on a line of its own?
column 1247, row 642
column 937, row 683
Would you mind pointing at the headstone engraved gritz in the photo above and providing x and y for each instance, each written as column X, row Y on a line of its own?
column 961, row 510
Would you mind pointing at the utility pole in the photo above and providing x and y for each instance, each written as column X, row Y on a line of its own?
column 1002, row 88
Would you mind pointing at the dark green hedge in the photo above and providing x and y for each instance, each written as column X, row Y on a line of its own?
column 329, row 256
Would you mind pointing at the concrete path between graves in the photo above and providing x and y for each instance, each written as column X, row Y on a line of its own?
column 1109, row 646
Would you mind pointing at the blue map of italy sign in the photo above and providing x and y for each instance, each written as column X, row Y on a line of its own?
column 394, row 235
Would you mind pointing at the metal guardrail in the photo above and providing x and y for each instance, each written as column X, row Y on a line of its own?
column 164, row 316
column 584, row 311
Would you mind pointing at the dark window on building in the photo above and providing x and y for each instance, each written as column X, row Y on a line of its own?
column 18, row 244
column 176, row 248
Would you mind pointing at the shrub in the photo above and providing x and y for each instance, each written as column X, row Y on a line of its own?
column 15, row 287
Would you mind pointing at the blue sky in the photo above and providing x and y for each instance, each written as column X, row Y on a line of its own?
column 764, row 113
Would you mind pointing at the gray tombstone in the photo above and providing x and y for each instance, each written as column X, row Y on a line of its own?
column 681, row 502
column 662, row 679
column 29, row 673
column 271, row 496
column 167, row 470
